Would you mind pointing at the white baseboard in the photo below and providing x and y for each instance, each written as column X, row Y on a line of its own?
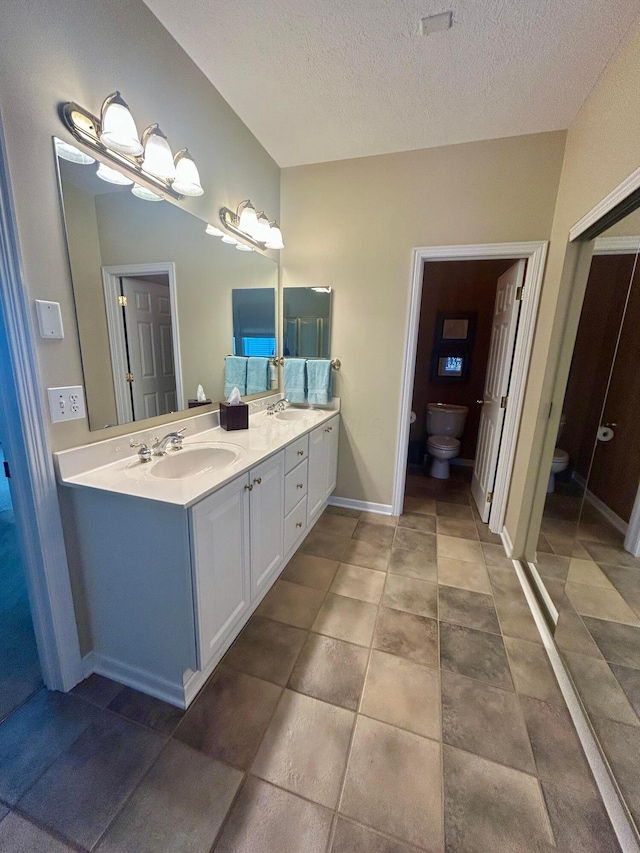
column 169, row 691
column 620, row 821
column 602, row 508
column 463, row 463
column 88, row 664
column 542, row 591
column 361, row 506
column 507, row 544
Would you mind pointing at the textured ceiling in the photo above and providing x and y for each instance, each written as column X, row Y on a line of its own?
column 319, row 80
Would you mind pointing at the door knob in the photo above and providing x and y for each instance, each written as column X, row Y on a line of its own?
column 480, row 402
column 611, row 425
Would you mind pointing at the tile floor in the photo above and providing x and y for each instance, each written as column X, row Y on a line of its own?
column 595, row 585
column 389, row 695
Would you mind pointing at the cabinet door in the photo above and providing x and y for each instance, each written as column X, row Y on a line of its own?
column 267, row 521
column 331, row 438
column 220, row 555
column 317, row 482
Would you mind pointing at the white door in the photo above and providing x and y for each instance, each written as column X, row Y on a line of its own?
column 150, row 347
column 267, row 521
column 496, row 386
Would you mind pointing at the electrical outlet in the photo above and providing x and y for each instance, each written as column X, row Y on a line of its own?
column 66, row 403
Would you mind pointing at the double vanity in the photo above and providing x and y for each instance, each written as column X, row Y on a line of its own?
column 176, row 553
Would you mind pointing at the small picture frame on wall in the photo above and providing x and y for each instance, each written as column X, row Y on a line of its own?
column 450, row 365
column 455, row 327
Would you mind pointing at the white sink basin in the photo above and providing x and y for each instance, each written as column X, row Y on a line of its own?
column 190, row 461
column 295, row 415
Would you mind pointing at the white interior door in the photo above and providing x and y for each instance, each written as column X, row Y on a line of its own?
column 150, row 347
column 496, row 386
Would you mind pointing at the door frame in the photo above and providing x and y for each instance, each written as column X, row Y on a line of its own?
column 535, row 253
column 33, row 481
column 117, row 340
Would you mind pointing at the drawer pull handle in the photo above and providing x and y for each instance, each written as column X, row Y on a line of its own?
column 300, row 486
column 248, row 488
column 301, row 453
column 328, row 429
column 258, row 480
column 298, row 524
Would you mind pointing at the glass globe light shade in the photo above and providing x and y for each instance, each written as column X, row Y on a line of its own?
column 113, row 176
column 242, row 248
column 275, row 237
column 263, row 229
column 229, row 239
column 248, row 219
column 118, row 129
column 145, row 194
column 72, row 154
column 187, row 180
column 215, row 232
column 158, row 159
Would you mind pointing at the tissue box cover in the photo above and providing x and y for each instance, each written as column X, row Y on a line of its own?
column 234, row 415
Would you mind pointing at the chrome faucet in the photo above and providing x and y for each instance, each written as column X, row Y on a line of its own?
column 171, row 439
column 280, row 406
column 144, row 452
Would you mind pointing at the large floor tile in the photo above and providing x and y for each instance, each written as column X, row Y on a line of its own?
column 413, row 564
column 358, row 582
column 418, row 521
column 402, row 693
column 305, row 748
column 380, row 535
column 179, row 806
column 415, row 540
column 146, row 710
column 587, row 572
column 229, row 717
column 266, row 649
column 346, row 619
column 423, row 504
column 463, row 528
column 515, row 618
column 331, row 670
column 551, row 566
column 599, row 689
column 393, row 783
column 495, row 557
column 556, row 747
column 350, row 837
column 265, row 819
column 291, row 603
column 455, row 548
column 407, row 635
column 490, row 808
column 464, row 575
column 411, row 595
column 378, row 518
column 611, row 555
column 473, row 609
column 475, row 654
column 305, row 569
column 326, row 545
column 18, row 835
column 621, row 745
column 625, row 580
column 35, row 735
column 360, row 552
column 571, row 635
column 336, row 525
column 444, row 509
column 579, row 821
column 97, row 690
column 531, row 671
column 485, row 720
column 618, row 643
column 82, row 791
column 629, row 680
column 600, row 603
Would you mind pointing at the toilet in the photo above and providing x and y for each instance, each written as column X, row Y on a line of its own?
column 445, row 424
column 560, row 458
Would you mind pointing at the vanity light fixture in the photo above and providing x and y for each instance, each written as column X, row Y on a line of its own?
column 72, row 154
column 213, row 231
column 147, row 162
column 241, row 247
column 250, row 228
column 227, row 238
column 145, row 194
column 112, row 176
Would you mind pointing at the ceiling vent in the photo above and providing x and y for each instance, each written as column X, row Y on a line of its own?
column 436, row 23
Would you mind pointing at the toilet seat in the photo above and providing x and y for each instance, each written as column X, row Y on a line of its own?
column 443, row 442
column 560, row 456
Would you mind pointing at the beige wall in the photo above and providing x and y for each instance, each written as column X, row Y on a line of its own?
column 603, row 148
column 82, row 51
column 352, row 225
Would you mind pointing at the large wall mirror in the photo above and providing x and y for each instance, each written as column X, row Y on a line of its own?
column 158, row 301
column 589, row 546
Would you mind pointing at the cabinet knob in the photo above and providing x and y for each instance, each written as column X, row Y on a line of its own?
column 301, row 453
column 258, row 480
column 328, row 429
column 300, row 486
column 248, row 488
column 298, row 524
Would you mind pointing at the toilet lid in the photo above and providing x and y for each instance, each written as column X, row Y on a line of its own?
column 443, row 442
column 560, row 455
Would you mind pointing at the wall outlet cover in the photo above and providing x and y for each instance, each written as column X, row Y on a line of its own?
column 66, row 403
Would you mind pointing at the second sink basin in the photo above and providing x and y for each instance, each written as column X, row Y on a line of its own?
column 295, row 414
column 190, row 461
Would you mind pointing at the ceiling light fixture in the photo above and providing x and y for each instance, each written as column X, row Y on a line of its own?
column 147, row 162
column 250, row 228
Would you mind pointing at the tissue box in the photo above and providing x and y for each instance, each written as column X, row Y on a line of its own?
column 234, row 415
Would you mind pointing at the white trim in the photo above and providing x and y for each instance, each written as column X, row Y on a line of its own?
column 616, row 245
column 117, row 345
column 543, row 592
column 361, row 506
column 601, row 506
column 139, row 679
column 618, row 816
column 632, row 539
column 535, row 253
column 507, row 544
column 33, row 484
column 615, row 197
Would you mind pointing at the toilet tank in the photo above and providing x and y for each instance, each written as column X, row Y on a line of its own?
column 446, row 419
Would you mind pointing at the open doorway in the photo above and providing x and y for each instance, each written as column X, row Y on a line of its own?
column 469, row 337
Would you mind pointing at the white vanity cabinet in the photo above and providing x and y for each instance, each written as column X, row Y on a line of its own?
column 323, row 462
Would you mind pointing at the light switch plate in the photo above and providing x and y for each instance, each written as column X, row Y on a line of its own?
column 66, row 403
column 49, row 319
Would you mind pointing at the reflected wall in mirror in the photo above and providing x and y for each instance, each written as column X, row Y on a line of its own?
column 148, row 356
column 589, row 545
column 307, row 322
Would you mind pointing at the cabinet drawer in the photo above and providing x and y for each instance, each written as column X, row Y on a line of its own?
column 294, row 525
column 296, row 452
column 295, row 486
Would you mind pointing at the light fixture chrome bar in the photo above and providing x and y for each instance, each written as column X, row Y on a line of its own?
column 230, row 221
column 85, row 128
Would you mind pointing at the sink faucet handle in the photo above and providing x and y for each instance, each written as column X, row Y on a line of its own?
column 144, row 452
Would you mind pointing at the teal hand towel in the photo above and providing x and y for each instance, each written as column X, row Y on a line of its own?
column 294, row 379
column 319, row 381
column 257, row 374
column 235, row 374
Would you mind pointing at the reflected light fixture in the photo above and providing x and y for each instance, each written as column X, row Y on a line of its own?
column 112, row 176
column 72, row 154
column 213, row 231
column 231, row 240
column 147, row 162
column 241, row 247
column 250, row 228
column 145, row 194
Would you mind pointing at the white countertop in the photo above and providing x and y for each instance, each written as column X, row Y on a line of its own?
column 85, row 467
